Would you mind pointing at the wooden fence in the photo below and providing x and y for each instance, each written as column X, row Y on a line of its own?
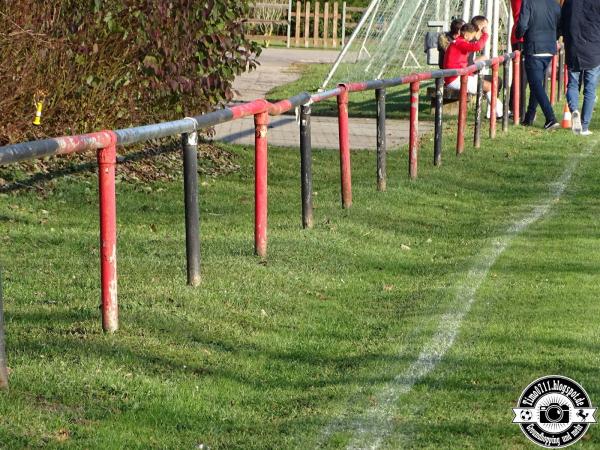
column 313, row 24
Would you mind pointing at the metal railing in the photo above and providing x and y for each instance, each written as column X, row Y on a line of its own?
column 105, row 143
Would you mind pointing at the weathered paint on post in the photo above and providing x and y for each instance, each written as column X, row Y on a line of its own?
column 523, row 80
column 478, row 108
column 192, row 215
column 506, row 95
column 553, row 76
column 462, row 116
column 3, row 365
column 439, row 111
column 494, row 101
column 561, row 73
column 107, row 161
column 413, row 144
column 306, row 166
column 105, row 142
column 261, row 121
column 517, row 88
column 381, row 143
column 345, row 170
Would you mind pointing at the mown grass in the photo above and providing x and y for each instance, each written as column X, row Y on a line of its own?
column 268, row 355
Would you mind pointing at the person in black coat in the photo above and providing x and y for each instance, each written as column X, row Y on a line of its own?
column 446, row 38
column 538, row 24
column 580, row 24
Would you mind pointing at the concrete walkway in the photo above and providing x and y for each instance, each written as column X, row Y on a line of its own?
column 284, row 132
column 277, row 67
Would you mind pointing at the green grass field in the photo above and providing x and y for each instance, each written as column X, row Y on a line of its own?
column 294, row 352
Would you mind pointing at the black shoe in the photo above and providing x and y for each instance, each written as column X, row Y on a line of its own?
column 528, row 120
column 551, row 124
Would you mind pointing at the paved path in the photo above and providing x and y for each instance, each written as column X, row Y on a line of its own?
column 285, row 132
column 278, row 67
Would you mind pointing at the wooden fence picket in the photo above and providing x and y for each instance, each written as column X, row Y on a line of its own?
column 326, row 24
column 307, row 25
column 311, row 28
column 298, row 21
column 316, row 24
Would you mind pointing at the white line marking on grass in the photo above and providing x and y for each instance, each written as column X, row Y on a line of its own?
column 375, row 424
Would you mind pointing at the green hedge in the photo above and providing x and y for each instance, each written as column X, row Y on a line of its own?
column 112, row 63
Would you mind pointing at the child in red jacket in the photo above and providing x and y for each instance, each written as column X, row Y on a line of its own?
column 471, row 40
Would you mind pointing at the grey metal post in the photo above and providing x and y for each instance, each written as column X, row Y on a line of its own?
column 306, row 166
column 381, row 144
column 478, row 105
column 3, row 368
column 439, row 110
column 192, row 214
column 506, row 92
column 561, row 74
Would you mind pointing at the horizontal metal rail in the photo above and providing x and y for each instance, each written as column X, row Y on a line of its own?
column 128, row 136
column 106, row 142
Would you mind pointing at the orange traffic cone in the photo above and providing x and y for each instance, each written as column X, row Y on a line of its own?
column 566, row 121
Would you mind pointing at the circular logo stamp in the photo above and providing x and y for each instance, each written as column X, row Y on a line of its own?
column 554, row 411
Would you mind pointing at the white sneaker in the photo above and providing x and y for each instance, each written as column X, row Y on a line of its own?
column 586, row 133
column 576, row 122
column 499, row 109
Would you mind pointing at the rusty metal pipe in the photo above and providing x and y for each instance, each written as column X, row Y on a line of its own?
column 107, row 162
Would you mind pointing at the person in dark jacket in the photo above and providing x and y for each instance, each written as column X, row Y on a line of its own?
column 447, row 38
column 538, row 24
column 580, row 24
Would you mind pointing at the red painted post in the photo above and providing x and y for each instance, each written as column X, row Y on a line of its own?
column 107, row 161
column 462, row 116
column 516, row 85
column 566, row 78
column 413, row 144
column 261, row 121
column 553, row 74
column 494, row 100
column 345, row 170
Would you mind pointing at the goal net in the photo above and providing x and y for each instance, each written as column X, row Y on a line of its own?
column 390, row 37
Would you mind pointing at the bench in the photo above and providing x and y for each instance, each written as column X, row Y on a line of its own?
column 450, row 101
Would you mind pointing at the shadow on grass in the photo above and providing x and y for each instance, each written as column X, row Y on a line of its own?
column 35, row 182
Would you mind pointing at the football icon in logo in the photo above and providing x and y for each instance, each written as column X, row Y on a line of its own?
column 526, row 415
